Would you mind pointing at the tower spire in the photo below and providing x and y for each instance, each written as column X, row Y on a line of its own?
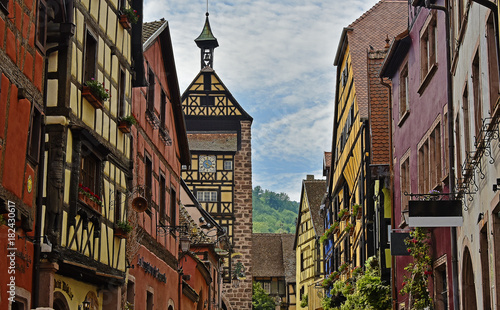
column 207, row 43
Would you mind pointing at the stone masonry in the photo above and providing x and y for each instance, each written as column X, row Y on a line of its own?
column 241, row 297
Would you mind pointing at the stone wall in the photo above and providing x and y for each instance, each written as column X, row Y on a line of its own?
column 241, row 297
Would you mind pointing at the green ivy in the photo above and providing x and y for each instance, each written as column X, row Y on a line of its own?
column 364, row 290
column 260, row 300
column 304, row 302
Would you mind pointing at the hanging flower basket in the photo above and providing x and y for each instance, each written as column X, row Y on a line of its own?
column 125, row 22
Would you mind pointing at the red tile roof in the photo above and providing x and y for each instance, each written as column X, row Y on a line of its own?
column 386, row 18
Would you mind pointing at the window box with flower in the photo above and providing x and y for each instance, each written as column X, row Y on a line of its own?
column 95, row 93
column 89, row 198
column 356, row 211
column 128, row 17
column 349, row 228
column 344, row 268
column 126, row 123
column 343, row 214
column 122, row 229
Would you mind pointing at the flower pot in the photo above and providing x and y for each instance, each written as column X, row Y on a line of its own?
column 125, row 22
column 120, row 233
column 89, row 202
column 124, row 126
column 95, row 101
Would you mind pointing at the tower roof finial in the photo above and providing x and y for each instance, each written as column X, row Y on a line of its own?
column 206, row 39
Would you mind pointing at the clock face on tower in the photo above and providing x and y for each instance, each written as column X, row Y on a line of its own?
column 207, row 163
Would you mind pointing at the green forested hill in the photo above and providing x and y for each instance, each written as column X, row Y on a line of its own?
column 273, row 212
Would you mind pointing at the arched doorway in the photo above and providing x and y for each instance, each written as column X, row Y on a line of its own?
column 469, row 301
column 60, row 302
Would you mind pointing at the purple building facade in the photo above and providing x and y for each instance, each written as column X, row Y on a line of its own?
column 417, row 67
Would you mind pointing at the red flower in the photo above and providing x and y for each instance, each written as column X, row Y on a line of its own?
column 409, row 250
column 427, row 272
column 404, row 283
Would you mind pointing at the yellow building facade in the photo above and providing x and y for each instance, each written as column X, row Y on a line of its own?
column 87, row 157
column 308, row 249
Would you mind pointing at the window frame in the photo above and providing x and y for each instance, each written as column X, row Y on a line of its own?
column 428, row 51
column 163, row 199
column 41, row 25
column 4, row 6
column 404, row 109
column 90, row 56
column 173, row 208
column 93, row 160
column 122, row 107
column 151, row 90
column 34, row 135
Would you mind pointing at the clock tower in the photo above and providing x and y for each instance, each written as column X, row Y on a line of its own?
column 220, row 174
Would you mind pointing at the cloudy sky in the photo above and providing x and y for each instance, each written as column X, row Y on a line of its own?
column 276, row 58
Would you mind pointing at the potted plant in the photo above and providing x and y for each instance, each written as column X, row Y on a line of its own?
column 95, row 93
column 129, row 16
column 89, row 198
column 126, row 122
column 122, row 229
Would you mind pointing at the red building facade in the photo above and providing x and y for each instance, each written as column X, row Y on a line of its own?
column 160, row 148
column 21, row 106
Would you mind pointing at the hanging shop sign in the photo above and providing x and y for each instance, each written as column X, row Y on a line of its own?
column 435, row 213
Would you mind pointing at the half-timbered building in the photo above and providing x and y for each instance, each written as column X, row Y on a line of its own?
column 160, row 148
column 21, row 110
column 309, row 252
column 220, row 174
column 87, row 158
column 360, row 141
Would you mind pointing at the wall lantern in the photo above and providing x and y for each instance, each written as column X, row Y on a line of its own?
column 185, row 244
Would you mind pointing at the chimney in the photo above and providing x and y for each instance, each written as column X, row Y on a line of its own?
column 310, row 177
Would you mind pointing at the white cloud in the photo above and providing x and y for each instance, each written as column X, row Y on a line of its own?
column 276, row 57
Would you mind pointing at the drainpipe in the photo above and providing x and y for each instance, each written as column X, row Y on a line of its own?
column 391, row 173
column 451, row 147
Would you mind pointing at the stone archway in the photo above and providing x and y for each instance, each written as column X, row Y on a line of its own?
column 469, row 300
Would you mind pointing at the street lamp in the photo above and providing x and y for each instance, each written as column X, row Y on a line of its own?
column 86, row 305
column 235, row 280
